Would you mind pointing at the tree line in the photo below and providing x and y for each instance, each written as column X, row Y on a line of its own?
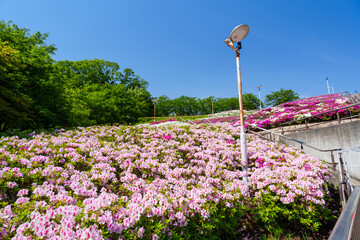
column 185, row 106
column 38, row 92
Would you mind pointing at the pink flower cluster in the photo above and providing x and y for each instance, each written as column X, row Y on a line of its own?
column 274, row 116
column 89, row 182
column 288, row 173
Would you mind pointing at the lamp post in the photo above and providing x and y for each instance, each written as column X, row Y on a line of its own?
column 212, row 105
column 154, row 100
column 238, row 34
column 327, row 83
column 258, row 87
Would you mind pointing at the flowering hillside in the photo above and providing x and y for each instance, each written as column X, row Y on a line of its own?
column 155, row 181
column 274, row 116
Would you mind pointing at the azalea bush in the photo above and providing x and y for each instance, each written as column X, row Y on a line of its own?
column 121, row 182
column 275, row 116
column 289, row 187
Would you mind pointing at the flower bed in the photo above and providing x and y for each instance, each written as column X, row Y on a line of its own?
column 155, row 182
column 163, row 121
column 227, row 119
column 274, row 116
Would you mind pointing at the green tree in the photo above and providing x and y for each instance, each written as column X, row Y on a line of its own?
column 84, row 72
column 110, row 104
column 226, row 104
column 205, row 105
column 143, row 103
column 90, row 87
column 14, row 104
column 185, row 106
column 39, row 100
column 164, row 106
column 280, row 97
column 250, row 101
column 138, row 87
column 130, row 80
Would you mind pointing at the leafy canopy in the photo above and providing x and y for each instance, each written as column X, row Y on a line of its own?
column 280, row 97
column 24, row 81
column 37, row 92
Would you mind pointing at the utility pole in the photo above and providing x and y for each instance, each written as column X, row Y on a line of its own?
column 154, row 100
column 258, row 87
column 238, row 34
column 327, row 82
column 212, row 105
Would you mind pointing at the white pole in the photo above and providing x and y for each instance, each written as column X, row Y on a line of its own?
column 242, row 129
column 260, row 100
column 212, row 106
column 327, row 82
column 154, row 100
column 154, row 110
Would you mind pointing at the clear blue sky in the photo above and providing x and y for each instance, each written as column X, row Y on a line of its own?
column 178, row 45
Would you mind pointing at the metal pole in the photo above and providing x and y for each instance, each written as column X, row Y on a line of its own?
column 333, row 161
column 327, row 82
column 154, row 100
column 260, row 100
column 342, row 185
column 338, row 117
column 154, row 110
column 242, row 129
column 212, row 105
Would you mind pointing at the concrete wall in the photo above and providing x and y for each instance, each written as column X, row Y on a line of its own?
column 346, row 136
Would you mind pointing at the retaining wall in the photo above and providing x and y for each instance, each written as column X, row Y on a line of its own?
column 346, row 136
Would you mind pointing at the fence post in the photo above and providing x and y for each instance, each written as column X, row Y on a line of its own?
column 343, row 187
column 350, row 114
column 338, row 117
column 333, row 160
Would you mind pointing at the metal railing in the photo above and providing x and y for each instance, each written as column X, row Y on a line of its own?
column 307, row 119
column 354, row 98
column 345, row 185
column 348, row 224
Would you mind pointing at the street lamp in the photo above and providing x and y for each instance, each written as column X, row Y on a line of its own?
column 258, row 87
column 154, row 100
column 212, row 105
column 238, row 34
column 327, row 83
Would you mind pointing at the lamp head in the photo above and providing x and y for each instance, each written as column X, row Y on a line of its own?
column 239, row 33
